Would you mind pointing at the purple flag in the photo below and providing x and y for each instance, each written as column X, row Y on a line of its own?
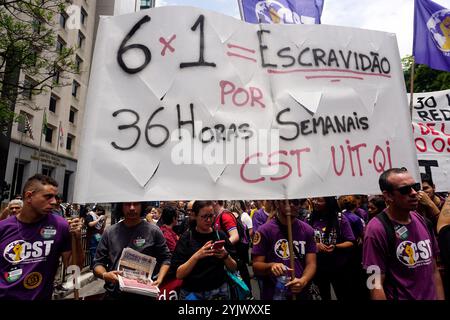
column 431, row 35
column 282, row 11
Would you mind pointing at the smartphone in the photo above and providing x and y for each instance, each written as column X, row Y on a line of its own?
column 218, row 245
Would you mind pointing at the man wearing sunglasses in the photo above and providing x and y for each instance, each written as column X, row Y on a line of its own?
column 399, row 250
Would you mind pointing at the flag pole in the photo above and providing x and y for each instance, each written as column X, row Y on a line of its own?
column 59, row 130
column 16, row 173
column 240, row 9
column 40, row 142
column 411, row 88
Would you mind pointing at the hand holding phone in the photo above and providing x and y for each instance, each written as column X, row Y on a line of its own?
column 218, row 245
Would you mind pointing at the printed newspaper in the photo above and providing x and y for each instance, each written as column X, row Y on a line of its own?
column 137, row 270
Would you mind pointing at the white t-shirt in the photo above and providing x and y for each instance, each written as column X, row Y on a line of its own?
column 245, row 218
column 95, row 217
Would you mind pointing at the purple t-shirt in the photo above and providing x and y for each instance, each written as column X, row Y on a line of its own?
column 337, row 258
column 30, row 256
column 259, row 218
column 270, row 242
column 362, row 214
column 356, row 223
column 412, row 269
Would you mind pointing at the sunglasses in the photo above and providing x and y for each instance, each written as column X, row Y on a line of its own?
column 405, row 190
column 207, row 216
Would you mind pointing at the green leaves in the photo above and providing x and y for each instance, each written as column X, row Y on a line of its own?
column 28, row 43
column 425, row 78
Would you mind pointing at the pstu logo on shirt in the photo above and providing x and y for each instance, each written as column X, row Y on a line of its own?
column 22, row 251
column 48, row 232
column 139, row 242
column 414, row 255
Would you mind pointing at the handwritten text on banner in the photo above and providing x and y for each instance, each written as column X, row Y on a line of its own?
column 189, row 104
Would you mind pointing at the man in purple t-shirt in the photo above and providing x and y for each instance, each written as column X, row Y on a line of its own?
column 408, row 269
column 271, row 253
column 32, row 242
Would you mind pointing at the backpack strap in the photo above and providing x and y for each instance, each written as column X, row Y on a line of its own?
column 222, row 227
column 217, row 234
column 390, row 231
column 427, row 222
column 391, row 238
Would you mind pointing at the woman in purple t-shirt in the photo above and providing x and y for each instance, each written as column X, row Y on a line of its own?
column 334, row 239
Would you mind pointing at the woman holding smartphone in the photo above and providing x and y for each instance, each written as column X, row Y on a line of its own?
column 199, row 258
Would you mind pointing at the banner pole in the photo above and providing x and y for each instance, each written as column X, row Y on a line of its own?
column 290, row 241
column 411, row 88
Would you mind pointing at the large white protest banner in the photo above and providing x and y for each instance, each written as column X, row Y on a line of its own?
column 431, row 126
column 189, row 104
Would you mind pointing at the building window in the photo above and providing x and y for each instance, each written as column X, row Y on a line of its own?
column 47, row 171
column 62, row 20
column 22, row 121
column 33, row 58
column 56, row 77
column 70, row 139
column 66, row 185
column 83, row 16
column 146, row 4
column 49, row 134
column 18, row 173
column 28, row 86
column 53, row 102
column 75, row 86
column 78, row 62
column 36, row 24
column 72, row 115
column 60, row 44
column 81, row 38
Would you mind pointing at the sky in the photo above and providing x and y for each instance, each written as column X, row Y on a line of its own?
column 395, row 16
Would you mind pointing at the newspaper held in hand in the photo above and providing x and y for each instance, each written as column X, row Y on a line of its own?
column 137, row 270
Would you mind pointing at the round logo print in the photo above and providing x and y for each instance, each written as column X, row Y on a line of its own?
column 256, row 238
column 281, row 249
column 270, row 11
column 33, row 280
column 406, row 253
column 14, row 251
column 439, row 27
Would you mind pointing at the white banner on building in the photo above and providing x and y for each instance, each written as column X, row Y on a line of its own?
column 189, row 104
column 431, row 126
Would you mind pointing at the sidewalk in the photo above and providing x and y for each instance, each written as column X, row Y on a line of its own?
column 89, row 285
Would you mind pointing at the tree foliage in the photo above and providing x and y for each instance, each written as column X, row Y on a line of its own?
column 425, row 78
column 28, row 44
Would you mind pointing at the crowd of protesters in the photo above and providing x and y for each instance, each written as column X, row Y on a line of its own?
column 360, row 247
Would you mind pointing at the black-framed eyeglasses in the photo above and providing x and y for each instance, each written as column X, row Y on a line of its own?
column 207, row 216
column 407, row 189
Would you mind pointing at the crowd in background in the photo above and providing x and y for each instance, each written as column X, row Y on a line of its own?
column 197, row 243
